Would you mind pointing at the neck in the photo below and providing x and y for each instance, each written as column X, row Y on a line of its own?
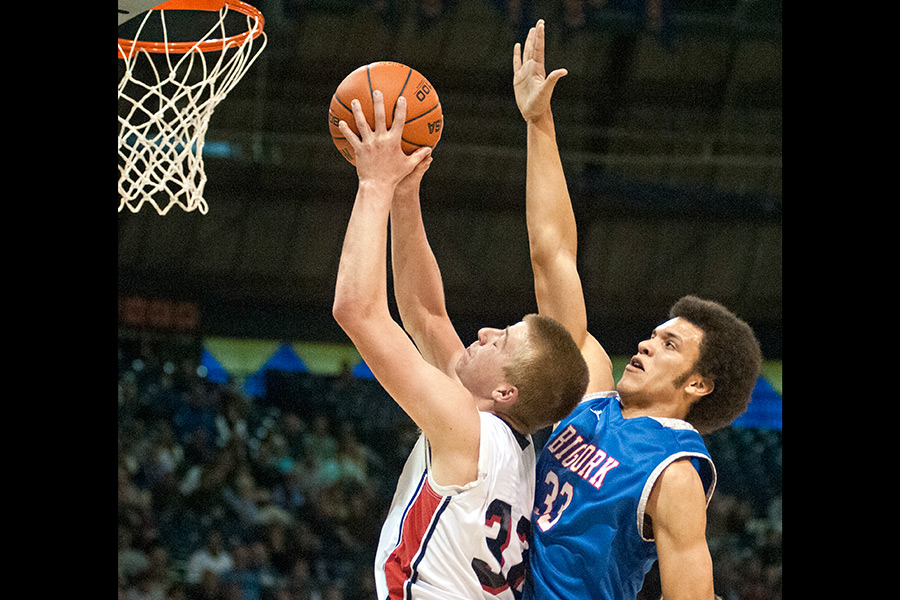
column 518, row 432
column 672, row 409
column 514, row 424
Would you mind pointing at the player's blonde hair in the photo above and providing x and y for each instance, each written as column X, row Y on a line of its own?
column 549, row 372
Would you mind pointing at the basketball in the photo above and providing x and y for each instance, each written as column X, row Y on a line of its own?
column 424, row 117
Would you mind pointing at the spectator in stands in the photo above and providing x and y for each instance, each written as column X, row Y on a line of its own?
column 135, row 509
column 243, row 497
column 289, row 491
column 301, row 581
column 159, row 569
column 176, row 592
column 273, row 536
column 132, row 560
column 208, row 587
column 269, row 457
column 145, row 587
column 320, row 443
column 294, row 430
column 311, row 474
column 197, row 410
column 306, row 545
column 241, row 575
column 162, row 465
column 261, row 564
column 333, row 591
column 212, row 556
column 232, row 416
column 352, row 457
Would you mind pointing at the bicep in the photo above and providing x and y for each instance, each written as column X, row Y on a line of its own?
column 677, row 506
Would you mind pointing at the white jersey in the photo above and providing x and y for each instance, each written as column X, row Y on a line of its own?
column 467, row 542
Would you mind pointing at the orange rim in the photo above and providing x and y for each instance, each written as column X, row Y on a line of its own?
column 126, row 47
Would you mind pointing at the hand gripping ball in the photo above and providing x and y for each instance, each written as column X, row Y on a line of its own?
column 424, row 117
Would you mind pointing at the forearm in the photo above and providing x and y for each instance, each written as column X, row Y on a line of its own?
column 417, row 277
column 418, row 287
column 361, row 286
column 548, row 208
column 552, row 231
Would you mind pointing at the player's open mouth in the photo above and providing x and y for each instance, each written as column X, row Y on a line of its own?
column 636, row 363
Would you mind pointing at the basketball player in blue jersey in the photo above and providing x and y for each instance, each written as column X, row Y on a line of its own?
column 458, row 525
column 625, row 479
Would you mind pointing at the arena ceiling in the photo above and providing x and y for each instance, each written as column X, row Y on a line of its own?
column 672, row 154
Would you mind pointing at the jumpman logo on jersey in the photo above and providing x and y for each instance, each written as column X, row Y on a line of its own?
column 597, row 412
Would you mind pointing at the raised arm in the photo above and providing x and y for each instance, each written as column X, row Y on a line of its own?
column 436, row 402
column 552, row 232
column 418, row 287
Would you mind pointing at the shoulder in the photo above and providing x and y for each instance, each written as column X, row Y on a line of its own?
column 596, row 401
column 680, row 477
column 680, row 454
column 676, row 496
column 678, row 486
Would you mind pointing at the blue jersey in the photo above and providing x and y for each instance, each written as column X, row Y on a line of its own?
column 594, row 477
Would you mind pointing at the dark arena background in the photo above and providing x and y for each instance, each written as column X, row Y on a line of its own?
column 246, row 418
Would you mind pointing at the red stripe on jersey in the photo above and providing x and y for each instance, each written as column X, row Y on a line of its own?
column 415, row 530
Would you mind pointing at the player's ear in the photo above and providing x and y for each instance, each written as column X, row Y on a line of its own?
column 505, row 393
column 699, row 386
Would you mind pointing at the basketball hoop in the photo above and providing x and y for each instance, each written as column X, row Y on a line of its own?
column 168, row 92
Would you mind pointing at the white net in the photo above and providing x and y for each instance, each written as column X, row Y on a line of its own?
column 166, row 99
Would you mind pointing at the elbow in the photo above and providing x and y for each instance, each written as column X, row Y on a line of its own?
column 538, row 256
column 550, row 252
column 544, row 249
column 355, row 314
column 344, row 310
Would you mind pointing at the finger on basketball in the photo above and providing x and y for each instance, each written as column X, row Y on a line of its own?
column 399, row 115
column 361, row 124
column 348, row 133
column 378, row 108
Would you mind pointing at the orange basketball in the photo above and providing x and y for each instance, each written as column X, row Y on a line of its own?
column 424, row 117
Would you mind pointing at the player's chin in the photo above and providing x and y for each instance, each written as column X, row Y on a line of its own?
column 461, row 363
column 627, row 382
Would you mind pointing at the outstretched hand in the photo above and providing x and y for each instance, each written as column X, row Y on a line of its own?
column 379, row 156
column 532, row 85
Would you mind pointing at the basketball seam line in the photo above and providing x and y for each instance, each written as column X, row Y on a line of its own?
column 341, row 102
column 424, row 113
column 402, row 89
column 415, row 144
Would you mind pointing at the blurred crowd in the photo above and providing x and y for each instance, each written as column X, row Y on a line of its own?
column 227, row 497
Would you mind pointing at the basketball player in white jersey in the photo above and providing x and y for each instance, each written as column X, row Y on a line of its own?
column 459, row 523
